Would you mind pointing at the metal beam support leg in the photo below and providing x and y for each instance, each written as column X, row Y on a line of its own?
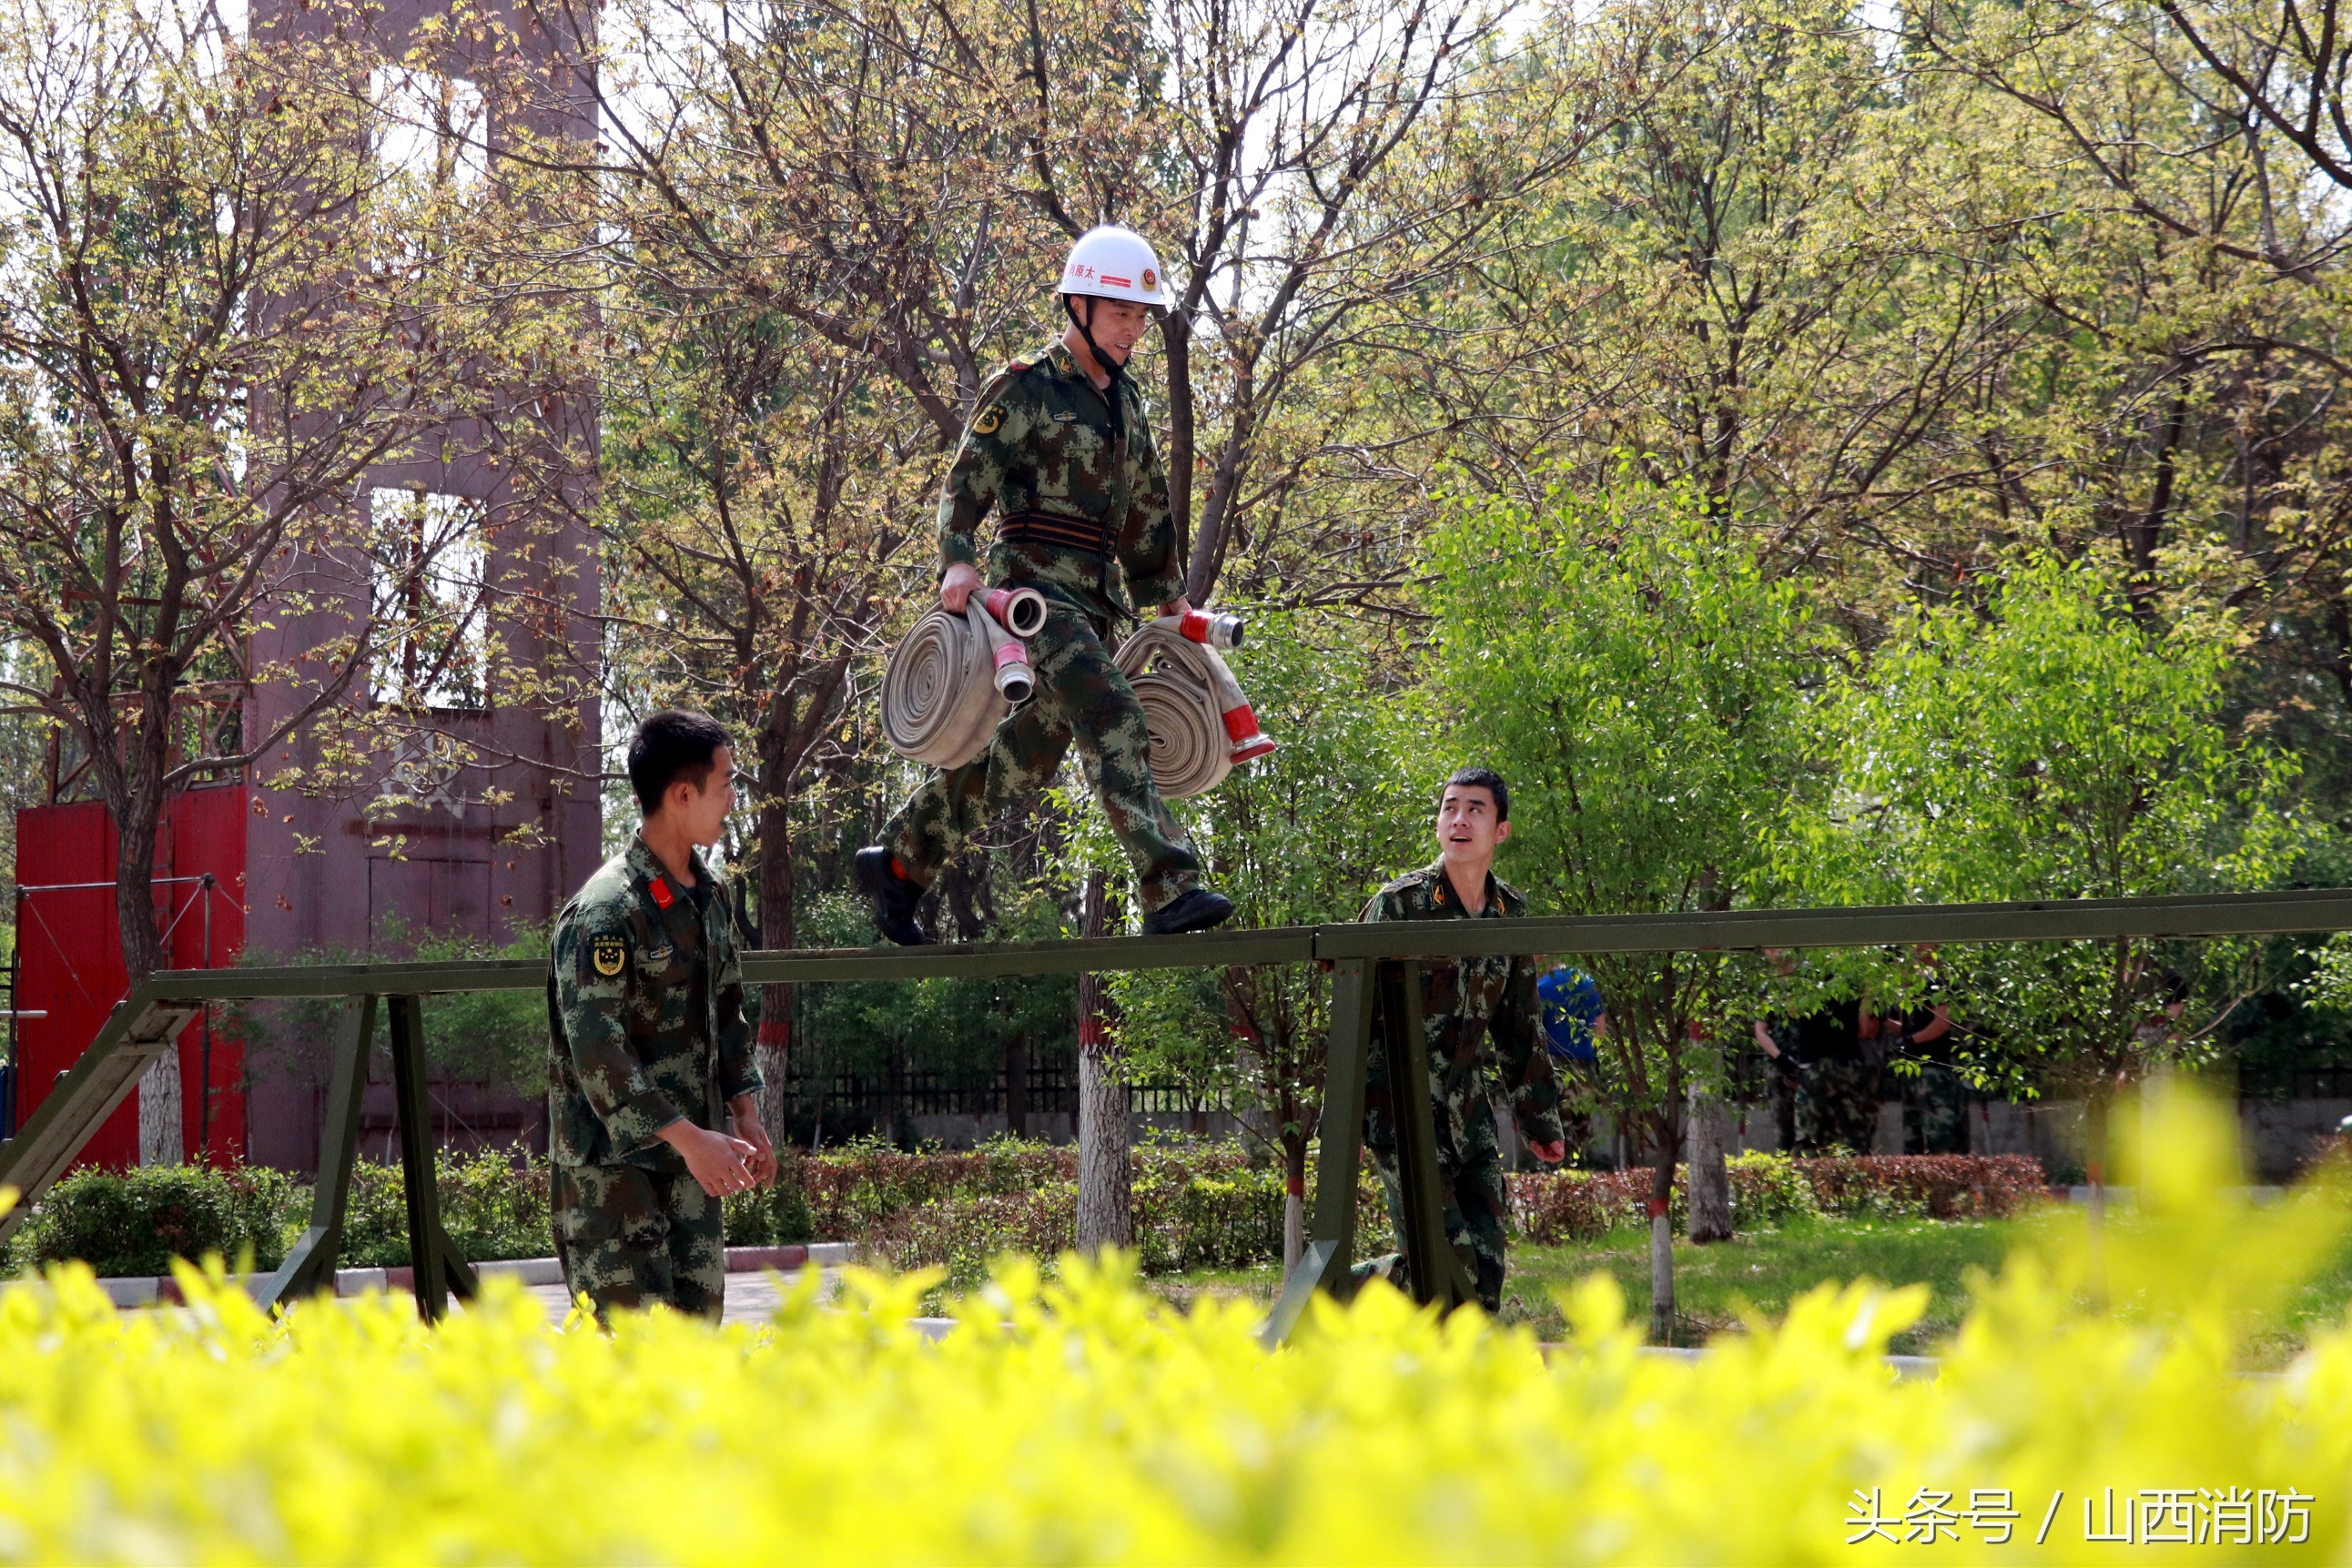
column 310, row 1268
column 1433, row 1268
column 1331, row 1234
column 436, row 1265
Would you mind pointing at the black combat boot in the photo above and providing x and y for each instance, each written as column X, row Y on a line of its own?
column 894, row 896
column 1195, row 910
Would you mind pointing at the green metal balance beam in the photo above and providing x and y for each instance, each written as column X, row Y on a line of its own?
column 2212, row 915
column 1374, row 969
column 148, row 1021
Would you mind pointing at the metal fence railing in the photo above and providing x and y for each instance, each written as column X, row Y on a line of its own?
column 1047, row 1089
column 1366, row 962
column 2332, row 1081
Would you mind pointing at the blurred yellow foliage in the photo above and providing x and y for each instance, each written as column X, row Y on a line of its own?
column 1082, row 1421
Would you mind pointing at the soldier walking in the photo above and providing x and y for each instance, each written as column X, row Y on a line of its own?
column 1060, row 447
column 648, row 1052
column 1481, row 1020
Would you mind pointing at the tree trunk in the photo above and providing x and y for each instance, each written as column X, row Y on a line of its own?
column 161, row 1112
column 1176, row 349
column 1105, row 1200
column 894, row 1086
column 1662, row 1233
column 772, row 1050
column 1710, row 1180
column 1294, row 1202
column 2097, row 1107
column 1105, row 1215
column 1016, row 1085
column 160, row 1142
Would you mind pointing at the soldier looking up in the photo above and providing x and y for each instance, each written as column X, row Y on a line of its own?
column 648, row 1051
column 1481, row 1020
column 1060, row 447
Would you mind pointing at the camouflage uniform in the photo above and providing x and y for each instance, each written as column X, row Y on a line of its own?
column 1837, row 1108
column 1784, row 1079
column 1936, row 1099
column 645, row 1011
column 1041, row 451
column 1480, row 1019
column 1936, row 1111
column 1837, row 1094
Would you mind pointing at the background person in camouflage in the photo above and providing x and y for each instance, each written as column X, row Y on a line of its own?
column 1783, row 1076
column 1837, row 1098
column 1481, row 1020
column 1935, row 1098
column 1060, row 447
column 649, row 1051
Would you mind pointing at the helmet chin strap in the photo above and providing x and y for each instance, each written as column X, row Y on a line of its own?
column 1116, row 371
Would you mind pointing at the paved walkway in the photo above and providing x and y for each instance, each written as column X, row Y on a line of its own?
column 751, row 1297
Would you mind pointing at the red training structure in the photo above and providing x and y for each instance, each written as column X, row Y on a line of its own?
column 69, row 957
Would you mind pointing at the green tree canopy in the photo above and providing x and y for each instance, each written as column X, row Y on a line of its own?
column 2047, row 742
column 1646, row 689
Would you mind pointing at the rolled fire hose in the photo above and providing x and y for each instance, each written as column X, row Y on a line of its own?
column 1201, row 722
column 948, row 687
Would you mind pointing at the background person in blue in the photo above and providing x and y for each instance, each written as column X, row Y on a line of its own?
column 1575, row 1020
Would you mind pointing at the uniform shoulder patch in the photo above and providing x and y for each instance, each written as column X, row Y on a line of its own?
column 987, row 416
column 608, row 956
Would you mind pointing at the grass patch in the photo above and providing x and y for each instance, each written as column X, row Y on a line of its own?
column 1761, row 1270
column 1718, row 1287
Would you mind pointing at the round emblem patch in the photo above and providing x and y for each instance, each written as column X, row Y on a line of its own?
column 990, row 418
column 1151, row 281
column 608, row 954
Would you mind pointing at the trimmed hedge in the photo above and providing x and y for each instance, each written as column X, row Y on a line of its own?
column 137, row 1222
column 1766, row 1189
column 133, row 1223
column 848, row 1192
column 1197, row 1206
column 492, row 1205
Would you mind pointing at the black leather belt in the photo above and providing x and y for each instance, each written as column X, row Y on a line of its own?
column 1054, row 532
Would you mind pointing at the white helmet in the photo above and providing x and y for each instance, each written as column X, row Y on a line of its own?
column 1113, row 263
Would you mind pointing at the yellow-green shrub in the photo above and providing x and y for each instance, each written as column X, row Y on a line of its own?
column 1079, row 1421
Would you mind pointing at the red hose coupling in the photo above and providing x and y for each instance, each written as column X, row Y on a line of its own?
column 1242, row 730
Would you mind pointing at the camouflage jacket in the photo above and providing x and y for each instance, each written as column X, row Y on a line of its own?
column 644, row 1013
column 1040, row 441
column 1480, row 1018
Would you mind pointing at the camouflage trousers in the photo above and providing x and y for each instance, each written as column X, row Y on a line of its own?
column 629, row 1237
column 1837, row 1108
column 1081, row 695
column 1936, row 1112
column 1784, row 1086
column 1470, row 1187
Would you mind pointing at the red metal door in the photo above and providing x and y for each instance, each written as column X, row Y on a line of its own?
column 69, row 957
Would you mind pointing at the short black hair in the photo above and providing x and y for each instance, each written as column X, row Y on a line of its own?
column 668, row 746
column 1485, row 779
